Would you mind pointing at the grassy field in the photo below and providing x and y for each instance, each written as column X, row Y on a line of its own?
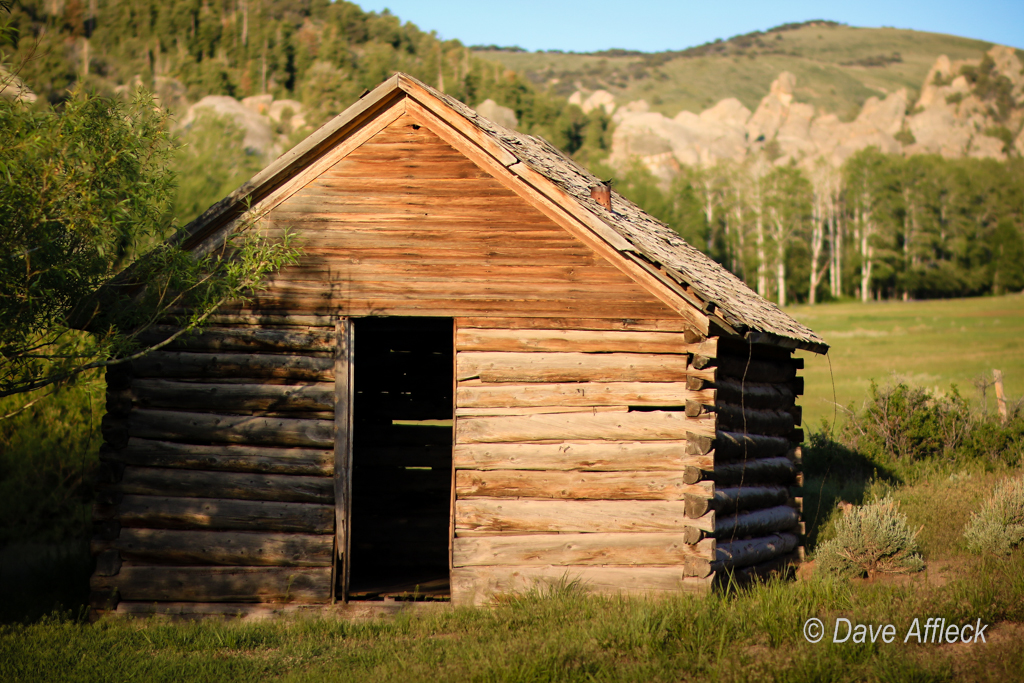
column 823, row 58
column 929, row 343
column 565, row 635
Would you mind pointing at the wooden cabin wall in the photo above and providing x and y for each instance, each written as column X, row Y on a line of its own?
column 218, row 470
column 407, row 225
column 571, row 456
column 755, row 456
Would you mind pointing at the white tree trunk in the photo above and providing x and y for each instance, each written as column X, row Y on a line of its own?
column 867, row 254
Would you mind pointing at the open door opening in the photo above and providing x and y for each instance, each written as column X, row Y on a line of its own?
column 401, row 458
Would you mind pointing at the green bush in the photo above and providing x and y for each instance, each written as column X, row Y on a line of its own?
column 901, row 422
column 999, row 527
column 871, row 539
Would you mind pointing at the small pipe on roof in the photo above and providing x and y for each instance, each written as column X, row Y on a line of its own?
column 602, row 194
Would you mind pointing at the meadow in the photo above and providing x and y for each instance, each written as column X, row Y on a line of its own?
column 564, row 633
column 933, row 344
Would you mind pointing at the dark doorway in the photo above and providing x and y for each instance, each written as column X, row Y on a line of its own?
column 401, row 458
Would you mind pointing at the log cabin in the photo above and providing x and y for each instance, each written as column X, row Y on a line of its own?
column 487, row 371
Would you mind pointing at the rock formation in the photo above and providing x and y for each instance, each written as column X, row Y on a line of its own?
column 256, row 116
column 503, row 116
column 948, row 118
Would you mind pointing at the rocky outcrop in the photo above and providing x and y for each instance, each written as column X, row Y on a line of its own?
column 13, row 88
column 948, row 118
column 503, row 116
column 262, row 119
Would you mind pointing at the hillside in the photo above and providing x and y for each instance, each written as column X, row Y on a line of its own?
column 837, row 67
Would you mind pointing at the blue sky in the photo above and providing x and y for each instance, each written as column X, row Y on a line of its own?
column 653, row 25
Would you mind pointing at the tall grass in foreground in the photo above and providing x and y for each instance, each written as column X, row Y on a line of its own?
column 563, row 634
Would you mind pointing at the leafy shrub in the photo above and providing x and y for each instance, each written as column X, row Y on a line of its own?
column 999, row 527
column 909, row 423
column 871, row 539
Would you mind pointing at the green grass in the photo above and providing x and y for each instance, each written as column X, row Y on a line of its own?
column 566, row 635
column 928, row 343
column 815, row 54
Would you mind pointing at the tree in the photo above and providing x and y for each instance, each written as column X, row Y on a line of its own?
column 85, row 198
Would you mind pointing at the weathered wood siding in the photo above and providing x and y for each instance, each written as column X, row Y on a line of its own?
column 407, row 225
column 218, row 469
column 570, row 457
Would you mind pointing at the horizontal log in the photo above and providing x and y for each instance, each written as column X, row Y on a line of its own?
column 666, row 324
column 245, row 317
column 453, row 288
column 369, row 304
column 633, row 426
column 570, row 367
column 779, row 470
column 480, row 585
column 481, row 514
column 730, row 446
column 180, row 364
column 782, row 566
column 728, row 500
column 736, row 554
column 542, row 410
column 737, row 446
column 242, row 548
column 164, row 512
column 752, row 394
column 754, row 370
column 584, row 394
column 159, row 481
column 797, row 412
column 580, row 549
column 119, row 401
column 753, row 421
column 243, row 339
column 159, row 393
column 172, row 425
column 108, row 562
column 114, row 430
column 579, row 341
column 577, row 485
column 219, row 584
column 227, row 458
column 594, row 456
column 756, row 523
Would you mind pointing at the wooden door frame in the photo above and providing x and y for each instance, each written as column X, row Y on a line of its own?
column 344, row 387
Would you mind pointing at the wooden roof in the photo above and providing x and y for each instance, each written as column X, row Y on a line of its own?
column 642, row 246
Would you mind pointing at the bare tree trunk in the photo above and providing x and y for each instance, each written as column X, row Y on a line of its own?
column 440, row 68
column 762, row 260
column 707, row 186
column 263, row 88
column 835, row 238
column 817, row 245
column 867, row 254
column 245, row 23
column 780, row 270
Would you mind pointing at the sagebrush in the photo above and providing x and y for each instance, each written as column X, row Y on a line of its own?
column 871, row 539
column 998, row 527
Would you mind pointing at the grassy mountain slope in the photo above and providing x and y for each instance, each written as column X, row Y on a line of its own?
column 837, row 67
